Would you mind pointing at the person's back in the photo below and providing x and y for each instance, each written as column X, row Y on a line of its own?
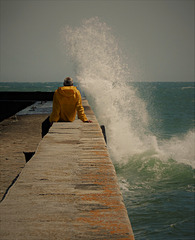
column 66, row 103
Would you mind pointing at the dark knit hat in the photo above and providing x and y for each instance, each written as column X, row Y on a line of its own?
column 68, row 81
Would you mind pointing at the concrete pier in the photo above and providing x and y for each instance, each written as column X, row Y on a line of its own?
column 18, row 134
column 68, row 190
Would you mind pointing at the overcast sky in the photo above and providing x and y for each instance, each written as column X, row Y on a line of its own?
column 156, row 36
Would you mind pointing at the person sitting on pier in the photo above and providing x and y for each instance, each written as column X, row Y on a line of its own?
column 67, row 103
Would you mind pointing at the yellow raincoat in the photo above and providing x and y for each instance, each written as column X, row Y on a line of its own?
column 66, row 104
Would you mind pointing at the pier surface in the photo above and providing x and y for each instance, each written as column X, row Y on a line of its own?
column 68, row 190
column 18, row 134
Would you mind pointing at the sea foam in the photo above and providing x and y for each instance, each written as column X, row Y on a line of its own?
column 105, row 77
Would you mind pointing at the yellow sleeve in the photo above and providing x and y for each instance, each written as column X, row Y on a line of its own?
column 55, row 115
column 80, row 109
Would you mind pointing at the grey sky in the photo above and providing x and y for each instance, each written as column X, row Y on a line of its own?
column 157, row 37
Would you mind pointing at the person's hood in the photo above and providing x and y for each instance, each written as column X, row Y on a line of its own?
column 67, row 91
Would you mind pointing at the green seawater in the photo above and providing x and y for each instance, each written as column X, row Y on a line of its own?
column 159, row 191
column 157, row 184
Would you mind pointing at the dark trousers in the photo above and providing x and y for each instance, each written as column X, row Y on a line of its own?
column 45, row 126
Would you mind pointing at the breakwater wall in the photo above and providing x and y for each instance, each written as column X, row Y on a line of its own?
column 68, row 190
column 13, row 102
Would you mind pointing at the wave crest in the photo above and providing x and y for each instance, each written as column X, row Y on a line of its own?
column 104, row 77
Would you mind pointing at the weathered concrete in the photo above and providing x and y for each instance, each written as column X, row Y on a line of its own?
column 18, row 134
column 68, row 190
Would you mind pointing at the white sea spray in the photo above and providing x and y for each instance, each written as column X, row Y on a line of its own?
column 104, row 77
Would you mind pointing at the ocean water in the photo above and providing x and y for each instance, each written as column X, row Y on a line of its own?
column 157, row 183
column 150, row 132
